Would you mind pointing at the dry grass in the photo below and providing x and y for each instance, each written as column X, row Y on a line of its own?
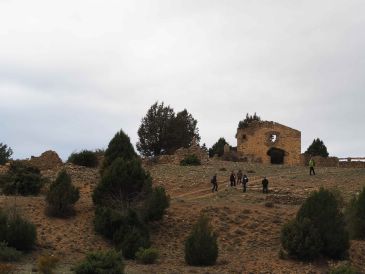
column 248, row 224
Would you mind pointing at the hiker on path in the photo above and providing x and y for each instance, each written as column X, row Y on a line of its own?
column 244, row 182
column 239, row 177
column 214, row 183
column 311, row 167
column 265, row 185
column 232, row 179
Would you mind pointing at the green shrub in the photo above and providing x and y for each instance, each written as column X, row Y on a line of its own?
column 126, row 230
column 201, row 248
column 21, row 179
column 355, row 215
column 190, row 160
column 344, row 269
column 147, row 255
column 62, row 196
column 107, row 221
column 17, row 232
column 8, row 254
column 47, row 263
column 156, row 204
column 130, row 239
column 301, row 240
column 318, row 219
column 121, row 183
column 218, row 148
column 109, row 262
column 84, row 158
column 5, row 153
column 119, row 147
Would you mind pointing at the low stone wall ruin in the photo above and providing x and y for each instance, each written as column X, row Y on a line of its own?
column 320, row 161
column 47, row 160
column 182, row 153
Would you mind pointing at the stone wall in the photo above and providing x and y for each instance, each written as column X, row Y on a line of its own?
column 181, row 153
column 47, row 160
column 4, row 168
column 320, row 161
column 257, row 139
column 352, row 164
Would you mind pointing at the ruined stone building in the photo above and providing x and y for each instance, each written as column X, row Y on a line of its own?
column 269, row 142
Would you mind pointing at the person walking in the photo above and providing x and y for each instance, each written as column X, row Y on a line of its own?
column 239, row 177
column 244, row 182
column 311, row 167
column 214, row 183
column 265, row 185
column 232, row 179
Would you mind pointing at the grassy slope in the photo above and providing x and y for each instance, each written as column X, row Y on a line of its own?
column 248, row 224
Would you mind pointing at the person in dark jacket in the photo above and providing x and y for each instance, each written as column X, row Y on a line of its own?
column 239, row 177
column 265, row 185
column 244, row 182
column 232, row 179
column 214, row 183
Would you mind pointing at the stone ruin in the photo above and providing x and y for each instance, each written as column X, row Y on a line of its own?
column 4, row 168
column 320, row 161
column 181, row 153
column 46, row 161
column 269, row 143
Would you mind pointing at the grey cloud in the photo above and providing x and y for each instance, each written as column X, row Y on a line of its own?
column 71, row 74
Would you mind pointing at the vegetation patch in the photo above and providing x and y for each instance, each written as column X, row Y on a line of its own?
column 17, row 232
column 147, row 255
column 318, row 229
column 190, row 160
column 9, row 254
column 85, row 158
column 201, row 248
column 62, row 196
column 101, row 263
column 21, row 179
column 355, row 215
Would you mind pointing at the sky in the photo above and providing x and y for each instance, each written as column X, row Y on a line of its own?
column 73, row 73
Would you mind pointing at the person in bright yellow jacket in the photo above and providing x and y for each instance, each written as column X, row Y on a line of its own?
column 311, row 166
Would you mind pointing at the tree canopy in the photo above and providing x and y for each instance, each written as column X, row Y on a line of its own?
column 218, row 147
column 162, row 131
column 5, row 153
column 119, row 147
column 317, row 148
column 248, row 120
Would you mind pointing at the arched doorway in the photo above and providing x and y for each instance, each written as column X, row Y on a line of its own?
column 276, row 155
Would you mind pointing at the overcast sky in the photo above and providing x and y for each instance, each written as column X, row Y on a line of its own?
column 72, row 73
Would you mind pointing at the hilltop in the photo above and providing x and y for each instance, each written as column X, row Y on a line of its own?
column 248, row 224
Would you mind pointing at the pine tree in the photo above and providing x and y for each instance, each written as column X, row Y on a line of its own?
column 119, row 147
column 62, row 196
column 317, row 148
column 201, row 248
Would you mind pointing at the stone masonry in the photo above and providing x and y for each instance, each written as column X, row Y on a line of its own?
column 269, row 142
column 47, row 160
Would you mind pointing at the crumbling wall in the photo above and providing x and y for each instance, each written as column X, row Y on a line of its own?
column 181, row 153
column 47, row 160
column 352, row 164
column 255, row 141
column 4, row 168
column 320, row 161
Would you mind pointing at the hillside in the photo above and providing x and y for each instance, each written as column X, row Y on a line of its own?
column 248, row 224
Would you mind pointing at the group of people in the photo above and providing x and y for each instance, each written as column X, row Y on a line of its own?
column 239, row 178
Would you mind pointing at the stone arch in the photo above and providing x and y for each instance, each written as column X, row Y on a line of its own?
column 276, row 155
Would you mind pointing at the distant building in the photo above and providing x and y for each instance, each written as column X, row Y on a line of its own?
column 269, row 142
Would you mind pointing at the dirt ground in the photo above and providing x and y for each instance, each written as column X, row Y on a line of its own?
column 248, row 224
